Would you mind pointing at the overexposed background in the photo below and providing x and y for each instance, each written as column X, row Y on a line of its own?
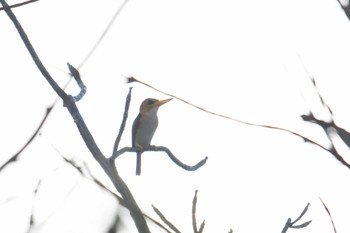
column 246, row 59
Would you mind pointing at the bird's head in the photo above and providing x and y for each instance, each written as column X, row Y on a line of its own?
column 151, row 105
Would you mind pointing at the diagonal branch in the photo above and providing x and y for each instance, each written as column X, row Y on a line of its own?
column 32, row 52
column 15, row 156
column 69, row 102
column 165, row 220
column 329, row 214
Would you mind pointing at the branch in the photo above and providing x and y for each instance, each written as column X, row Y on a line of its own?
column 122, row 126
column 75, row 73
column 15, row 156
column 290, row 224
column 164, row 149
column 329, row 214
column 32, row 52
column 343, row 134
column 19, row 4
column 69, row 102
column 104, row 33
column 90, row 176
column 49, row 109
column 165, row 220
column 194, row 219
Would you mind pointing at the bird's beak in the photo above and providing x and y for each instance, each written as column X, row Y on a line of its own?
column 161, row 102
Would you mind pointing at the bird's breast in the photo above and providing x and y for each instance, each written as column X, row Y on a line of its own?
column 145, row 131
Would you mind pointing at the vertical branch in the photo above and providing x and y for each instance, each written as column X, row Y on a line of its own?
column 194, row 218
column 122, row 126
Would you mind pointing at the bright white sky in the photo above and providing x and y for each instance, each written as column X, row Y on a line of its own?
column 244, row 59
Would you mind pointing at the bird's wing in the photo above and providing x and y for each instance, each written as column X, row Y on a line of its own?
column 135, row 125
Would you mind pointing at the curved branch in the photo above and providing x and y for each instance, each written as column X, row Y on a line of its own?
column 75, row 73
column 164, row 149
column 176, row 160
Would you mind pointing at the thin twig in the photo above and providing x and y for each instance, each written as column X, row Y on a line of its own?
column 194, row 218
column 122, row 126
column 91, row 177
column 291, row 224
column 75, row 73
column 306, row 139
column 19, row 4
column 329, row 214
column 14, row 157
column 98, row 42
column 165, row 220
column 194, row 205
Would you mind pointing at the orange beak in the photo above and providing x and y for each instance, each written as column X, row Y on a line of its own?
column 161, row 102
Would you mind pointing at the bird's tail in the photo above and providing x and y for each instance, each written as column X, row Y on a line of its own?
column 138, row 164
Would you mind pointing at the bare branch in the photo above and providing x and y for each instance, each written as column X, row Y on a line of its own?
column 165, row 220
column 329, row 214
column 117, row 13
column 343, row 134
column 290, row 224
column 164, row 149
column 122, row 126
column 194, row 218
column 19, row 4
column 15, row 156
column 75, row 73
column 32, row 52
column 69, row 102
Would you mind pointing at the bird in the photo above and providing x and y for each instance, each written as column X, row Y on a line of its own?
column 144, row 127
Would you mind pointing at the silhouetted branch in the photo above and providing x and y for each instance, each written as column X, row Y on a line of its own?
column 330, row 127
column 165, row 220
column 69, row 102
column 326, row 126
column 75, row 73
column 342, row 133
column 31, row 221
column 194, row 219
column 167, row 151
column 122, row 126
column 121, row 201
column 15, row 156
column 19, row 4
column 329, row 214
column 346, row 9
column 103, row 34
column 291, row 224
